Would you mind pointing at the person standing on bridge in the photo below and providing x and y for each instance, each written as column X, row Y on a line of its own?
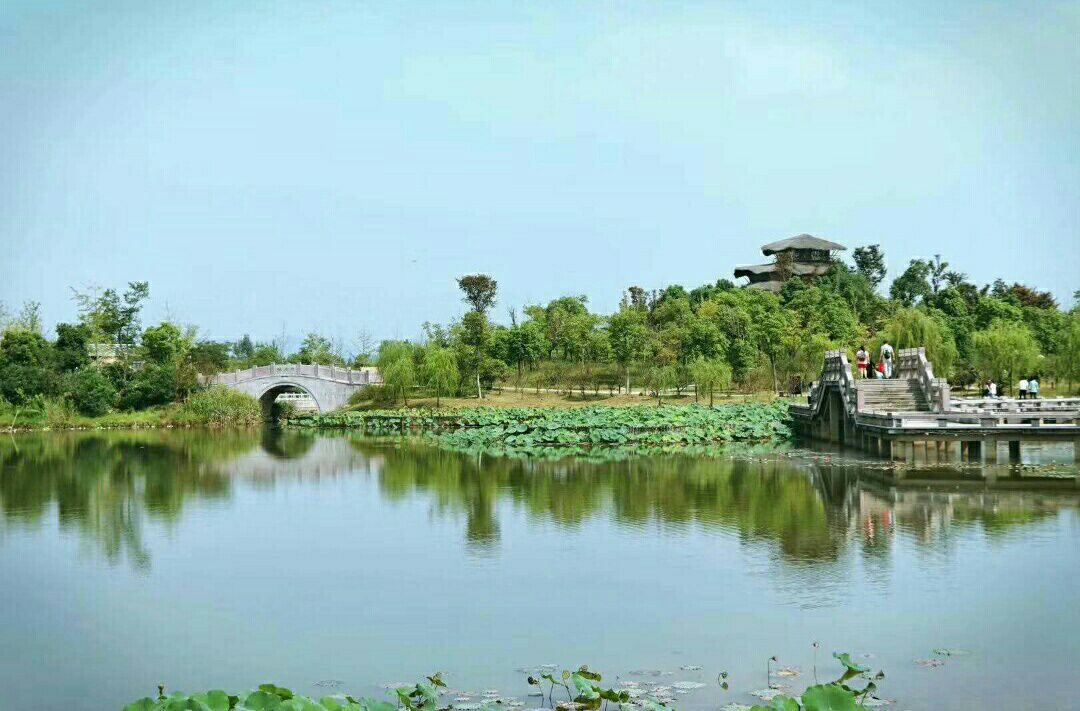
column 1033, row 388
column 862, row 359
column 887, row 358
column 1022, row 388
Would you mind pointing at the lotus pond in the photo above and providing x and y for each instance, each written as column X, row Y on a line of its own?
column 597, row 433
column 340, row 565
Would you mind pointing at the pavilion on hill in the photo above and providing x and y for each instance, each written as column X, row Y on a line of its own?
column 802, row 256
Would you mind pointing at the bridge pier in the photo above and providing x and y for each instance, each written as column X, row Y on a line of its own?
column 990, row 455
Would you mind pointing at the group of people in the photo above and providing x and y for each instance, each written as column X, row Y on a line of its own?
column 882, row 369
column 1028, row 388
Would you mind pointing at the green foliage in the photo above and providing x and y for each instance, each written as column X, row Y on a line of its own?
column 440, row 371
column 710, row 376
column 1005, row 352
column 72, row 342
column 219, row 406
column 270, row 697
column 914, row 328
column 316, row 348
column 164, row 343
column 91, row 392
column 548, row 432
column 913, row 285
column 870, row 262
column 154, row 384
column 110, row 317
column 397, row 367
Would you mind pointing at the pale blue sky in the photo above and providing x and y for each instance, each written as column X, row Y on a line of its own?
column 335, row 165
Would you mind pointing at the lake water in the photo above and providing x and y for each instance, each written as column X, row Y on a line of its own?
column 332, row 563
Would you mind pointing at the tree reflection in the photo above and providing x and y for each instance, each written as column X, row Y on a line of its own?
column 107, row 485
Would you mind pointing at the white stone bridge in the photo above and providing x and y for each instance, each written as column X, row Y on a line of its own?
column 328, row 385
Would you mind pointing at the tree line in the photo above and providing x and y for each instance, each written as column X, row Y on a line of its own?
column 714, row 337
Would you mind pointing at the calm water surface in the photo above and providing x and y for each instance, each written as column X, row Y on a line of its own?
column 329, row 563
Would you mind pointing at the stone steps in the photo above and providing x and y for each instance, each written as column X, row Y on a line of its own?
column 892, row 396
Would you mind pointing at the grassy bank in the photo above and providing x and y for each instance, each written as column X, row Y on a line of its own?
column 213, row 407
column 643, row 429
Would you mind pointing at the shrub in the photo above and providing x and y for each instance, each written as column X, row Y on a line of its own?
column 219, row 405
column 91, row 392
column 155, row 384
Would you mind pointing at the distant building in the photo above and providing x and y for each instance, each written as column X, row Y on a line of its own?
column 105, row 353
column 803, row 256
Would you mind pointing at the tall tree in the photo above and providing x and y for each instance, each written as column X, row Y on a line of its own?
column 479, row 292
column 913, row 284
column 939, row 272
column 870, row 262
column 629, row 336
column 440, row 370
column 113, row 318
column 397, row 368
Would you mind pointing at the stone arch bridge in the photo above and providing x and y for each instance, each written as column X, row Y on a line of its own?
column 328, row 385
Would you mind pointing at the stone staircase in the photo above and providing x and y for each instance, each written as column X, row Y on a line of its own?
column 896, row 395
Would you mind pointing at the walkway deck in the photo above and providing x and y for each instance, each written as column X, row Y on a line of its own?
column 839, row 410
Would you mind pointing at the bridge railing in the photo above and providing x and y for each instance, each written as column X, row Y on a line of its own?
column 836, row 370
column 913, row 365
column 351, row 376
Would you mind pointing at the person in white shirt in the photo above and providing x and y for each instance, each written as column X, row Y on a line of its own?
column 1033, row 388
column 1023, row 388
column 992, row 389
column 887, row 358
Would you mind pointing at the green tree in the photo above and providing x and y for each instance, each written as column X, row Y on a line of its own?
column 91, row 392
column 709, row 376
column 660, row 378
column 915, row 328
column 913, row 285
column 209, row 357
column 154, row 384
column 440, row 371
column 1006, row 352
column 870, row 262
column 71, row 346
column 317, row 349
column 164, row 343
column 479, row 292
column 629, row 337
column 397, row 368
column 25, row 366
column 113, row 318
column 1069, row 356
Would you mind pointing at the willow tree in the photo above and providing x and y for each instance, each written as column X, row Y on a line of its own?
column 915, row 328
column 1005, row 351
column 440, row 370
column 396, row 367
column 710, row 375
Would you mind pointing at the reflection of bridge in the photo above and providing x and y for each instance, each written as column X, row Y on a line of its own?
column 914, row 416
column 328, row 385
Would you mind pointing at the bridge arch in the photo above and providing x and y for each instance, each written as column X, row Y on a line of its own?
column 272, row 390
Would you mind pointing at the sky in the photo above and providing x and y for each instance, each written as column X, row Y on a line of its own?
column 282, row 167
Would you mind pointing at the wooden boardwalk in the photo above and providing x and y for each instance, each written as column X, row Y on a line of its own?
column 920, row 420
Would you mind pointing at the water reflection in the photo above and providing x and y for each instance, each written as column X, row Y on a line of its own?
column 107, row 485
